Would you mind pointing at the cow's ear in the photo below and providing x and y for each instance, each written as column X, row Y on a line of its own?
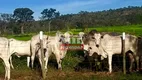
column 60, row 40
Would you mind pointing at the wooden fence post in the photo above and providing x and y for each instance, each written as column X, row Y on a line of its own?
column 123, row 51
column 42, row 56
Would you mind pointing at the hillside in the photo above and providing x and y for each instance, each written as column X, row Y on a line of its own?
column 130, row 15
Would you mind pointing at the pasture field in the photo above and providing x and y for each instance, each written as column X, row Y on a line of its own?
column 72, row 61
column 131, row 29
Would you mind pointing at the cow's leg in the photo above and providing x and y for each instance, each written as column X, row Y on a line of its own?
column 39, row 57
column 131, row 61
column 137, row 61
column 46, row 59
column 10, row 61
column 32, row 60
column 58, row 61
column 46, row 63
column 33, row 56
column 110, row 62
column 28, row 61
column 136, row 58
column 7, row 69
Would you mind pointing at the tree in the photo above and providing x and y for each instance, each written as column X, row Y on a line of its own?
column 84, row 19
column 49, row 14
column 23, row 15
column 6, row 17
column 5, row 20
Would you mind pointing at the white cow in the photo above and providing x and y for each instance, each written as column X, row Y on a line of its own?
column 5, row 55
column 29, row 48
column 108, row 45
column 35, row 46
column 54, row 46
column 20, row 48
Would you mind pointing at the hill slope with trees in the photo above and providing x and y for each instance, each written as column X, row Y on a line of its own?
column 22, row 21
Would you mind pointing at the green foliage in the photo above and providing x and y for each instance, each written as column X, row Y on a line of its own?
column 72, row 59
column 6, row 17
column 82, row 20
column 49, row 14
column 23, row 14
column 24, row 37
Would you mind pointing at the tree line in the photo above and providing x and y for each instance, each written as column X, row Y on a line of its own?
column 22, row 20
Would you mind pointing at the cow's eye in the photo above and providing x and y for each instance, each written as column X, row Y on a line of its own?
column 90, row 48
column 93, row 38
column 102, row 36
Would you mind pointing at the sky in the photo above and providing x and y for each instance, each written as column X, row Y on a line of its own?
column 65, row 6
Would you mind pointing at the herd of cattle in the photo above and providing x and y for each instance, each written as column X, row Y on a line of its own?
column 103, row 44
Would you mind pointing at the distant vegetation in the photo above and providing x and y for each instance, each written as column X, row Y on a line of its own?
column 22, row 21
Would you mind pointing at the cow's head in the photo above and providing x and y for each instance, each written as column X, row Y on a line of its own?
column 92, row 48
column 45, row 42
column 97, row 38
column 85, row 39
column 80, row 35
column 66, row 37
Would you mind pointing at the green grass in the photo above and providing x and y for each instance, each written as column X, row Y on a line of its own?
column 131, row 29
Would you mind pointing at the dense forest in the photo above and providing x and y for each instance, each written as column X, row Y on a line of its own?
column 22, row 20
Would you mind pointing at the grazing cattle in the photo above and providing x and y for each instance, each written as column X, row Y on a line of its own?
column 54, row 46
column 107, row 45
column 5, row 55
